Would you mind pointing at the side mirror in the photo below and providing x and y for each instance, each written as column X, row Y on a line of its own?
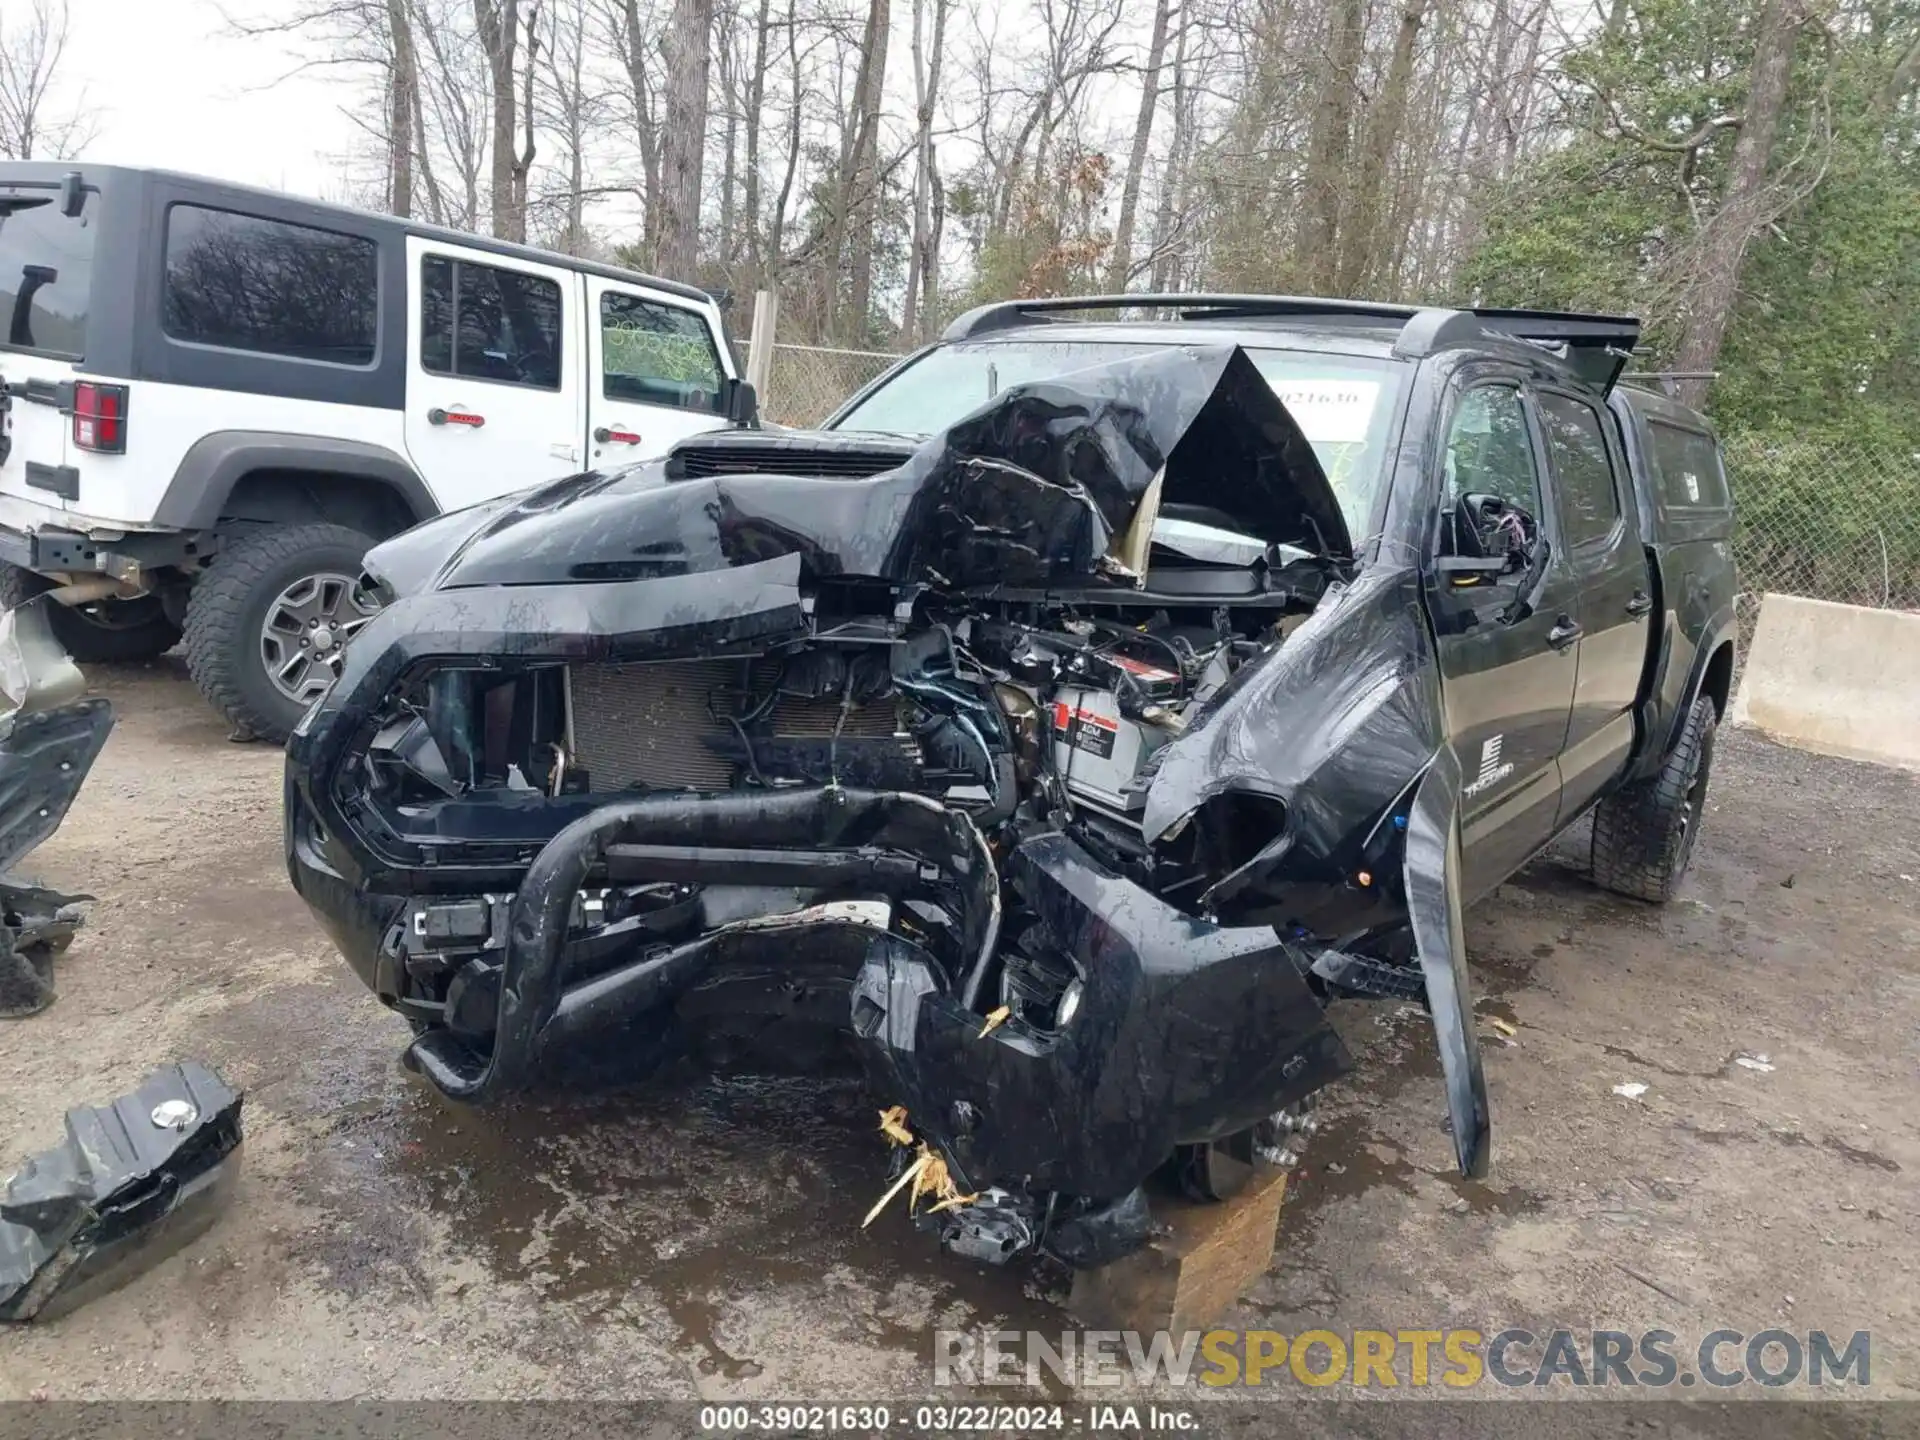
column 740, row 404
column 1489, row 529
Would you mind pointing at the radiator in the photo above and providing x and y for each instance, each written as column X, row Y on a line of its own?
column 647, row 725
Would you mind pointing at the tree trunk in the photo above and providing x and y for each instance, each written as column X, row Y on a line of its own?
column 756, row 101
column 924, row 251
column 1361, row 240
column 1743, row 209
column 523, row 160
column 683, row 137
column 1172, row 176
column 646, row 130
column 497, row 22
column 1122, row 261
column 1327, row 143
column 402, row 101
column 861, row 198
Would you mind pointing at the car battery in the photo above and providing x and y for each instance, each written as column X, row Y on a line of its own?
column 1097, row 751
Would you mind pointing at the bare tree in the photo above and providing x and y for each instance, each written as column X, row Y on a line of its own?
column 1121, row 268
column 923, row 255
column 567, row 101
column 688, row 56
column 31, row 125
column 497, row 23
column 403, row 104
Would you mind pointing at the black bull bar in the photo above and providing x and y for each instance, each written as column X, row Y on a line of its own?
column 1184, row 1030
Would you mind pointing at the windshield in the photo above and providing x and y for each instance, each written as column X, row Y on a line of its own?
column 46, row 271
column 1344, row 404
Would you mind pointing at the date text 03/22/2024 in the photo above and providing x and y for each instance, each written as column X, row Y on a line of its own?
column 943, row 1419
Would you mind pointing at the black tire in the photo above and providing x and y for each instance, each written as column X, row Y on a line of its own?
column 229, row 605
column 1644, row 833
column 105, row 632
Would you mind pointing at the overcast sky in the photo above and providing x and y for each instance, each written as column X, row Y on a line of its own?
column 170, row 88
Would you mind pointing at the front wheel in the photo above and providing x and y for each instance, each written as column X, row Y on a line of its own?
column 1643, row 833
column 1221, row 1169
column 266, row 622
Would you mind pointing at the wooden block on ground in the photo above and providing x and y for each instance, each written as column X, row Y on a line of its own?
column 1191, row 1276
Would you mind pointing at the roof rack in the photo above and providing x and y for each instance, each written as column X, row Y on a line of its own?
column 1596, row 347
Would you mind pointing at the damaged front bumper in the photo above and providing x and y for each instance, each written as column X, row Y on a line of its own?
column 51, row 732
column 1184, row 1032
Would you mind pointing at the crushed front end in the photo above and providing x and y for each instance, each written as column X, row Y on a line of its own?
column 1018, row 765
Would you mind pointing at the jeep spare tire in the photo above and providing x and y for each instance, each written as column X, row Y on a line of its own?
column 102, row 631
column 266, row 621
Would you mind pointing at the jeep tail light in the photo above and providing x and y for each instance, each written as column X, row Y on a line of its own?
column 100, row 417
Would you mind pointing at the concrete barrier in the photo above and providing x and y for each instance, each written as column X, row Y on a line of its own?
column 1839, row 679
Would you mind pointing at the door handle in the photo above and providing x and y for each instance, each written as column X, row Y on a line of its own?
column 1565, row 631
column 606, row 436
column 1640, row 604
column 437, row 416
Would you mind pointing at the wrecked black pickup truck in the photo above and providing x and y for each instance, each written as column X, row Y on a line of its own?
column 1063, row 726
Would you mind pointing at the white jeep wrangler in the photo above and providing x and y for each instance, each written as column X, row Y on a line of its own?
column 216, row 399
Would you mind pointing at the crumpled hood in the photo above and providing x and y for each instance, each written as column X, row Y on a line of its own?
column 1029, row 490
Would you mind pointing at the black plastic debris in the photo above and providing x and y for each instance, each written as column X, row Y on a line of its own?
column 50, row 735
column 133, row 1181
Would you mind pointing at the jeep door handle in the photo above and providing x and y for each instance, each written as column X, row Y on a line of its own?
column 1565, row 631
column 615, row 436
column 437, row 416
column 1640, row 604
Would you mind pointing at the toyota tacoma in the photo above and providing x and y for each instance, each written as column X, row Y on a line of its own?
column 1060, row 728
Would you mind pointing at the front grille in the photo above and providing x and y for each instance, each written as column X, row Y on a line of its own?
column 648, row 725
column 694, row 462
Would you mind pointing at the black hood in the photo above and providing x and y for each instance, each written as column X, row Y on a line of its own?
column 1029, row 490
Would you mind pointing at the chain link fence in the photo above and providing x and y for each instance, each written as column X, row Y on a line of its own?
column 809, row 382
column 1833, row 521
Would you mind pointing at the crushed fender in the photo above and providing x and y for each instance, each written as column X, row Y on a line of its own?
column 133, row 1181
column 50, row 735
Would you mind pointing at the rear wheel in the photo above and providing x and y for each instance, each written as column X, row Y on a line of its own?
column 102, row 630
column 1643, row 833
column 267, row 620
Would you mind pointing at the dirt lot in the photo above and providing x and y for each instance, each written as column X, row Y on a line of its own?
column 689, row 1236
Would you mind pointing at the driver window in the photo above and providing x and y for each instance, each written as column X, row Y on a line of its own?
column 484, row 323
column 1488, row 450
column 657, row 354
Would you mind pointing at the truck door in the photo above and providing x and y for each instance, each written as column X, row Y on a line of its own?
column 496, row 374
column 1616, row 599
column 1507, row 644
column 657, row 373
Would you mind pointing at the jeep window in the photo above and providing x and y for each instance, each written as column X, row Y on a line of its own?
column 1583, row 484
column 1343, row 403
column 1689, row 467
column 242, row 282
column 46, row 271
column 657, row 354
column 504, row 326
column 1488, row 451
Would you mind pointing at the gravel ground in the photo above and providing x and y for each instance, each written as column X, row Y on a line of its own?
column 689, row 1236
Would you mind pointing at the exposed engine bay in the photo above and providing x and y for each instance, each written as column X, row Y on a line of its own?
column 1060, row 789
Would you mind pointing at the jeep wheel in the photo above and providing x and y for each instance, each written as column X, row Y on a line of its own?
column 265, row 623
column 102, row 631
column 1643, row 833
